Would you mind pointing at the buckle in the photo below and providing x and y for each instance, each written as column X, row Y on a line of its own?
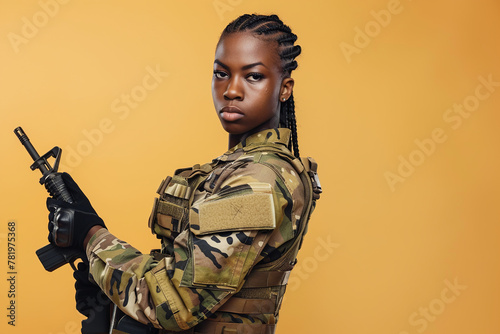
column 316, row 185
column 313, row 175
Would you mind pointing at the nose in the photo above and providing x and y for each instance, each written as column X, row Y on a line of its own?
column 234, row 89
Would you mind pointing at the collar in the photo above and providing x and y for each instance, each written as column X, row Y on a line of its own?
column 265, row 137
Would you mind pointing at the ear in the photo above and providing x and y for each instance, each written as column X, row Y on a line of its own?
column 286, row 88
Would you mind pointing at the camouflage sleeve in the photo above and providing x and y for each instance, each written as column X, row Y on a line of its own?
column 250, row 214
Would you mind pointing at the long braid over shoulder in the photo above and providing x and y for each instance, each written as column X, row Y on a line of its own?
column 271, row 28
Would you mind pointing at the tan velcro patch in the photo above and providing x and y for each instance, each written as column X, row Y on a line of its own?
column 253, row 210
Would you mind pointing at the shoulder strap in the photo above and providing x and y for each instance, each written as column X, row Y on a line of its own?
column 307, row 165
column 307, row 169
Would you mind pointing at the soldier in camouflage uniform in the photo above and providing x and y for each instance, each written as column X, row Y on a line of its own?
column 230, row 229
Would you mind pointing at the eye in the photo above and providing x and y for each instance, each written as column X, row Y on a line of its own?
column 220, row 74
column 254, row 77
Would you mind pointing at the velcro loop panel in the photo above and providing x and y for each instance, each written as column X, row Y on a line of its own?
column 170, row 209
column 261, row 293
column 261, row 279
column 238, row 212
column 248, row 306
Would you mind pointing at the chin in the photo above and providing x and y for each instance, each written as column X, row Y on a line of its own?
column 233, row 129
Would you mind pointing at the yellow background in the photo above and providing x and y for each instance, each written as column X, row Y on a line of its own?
column 377, row 257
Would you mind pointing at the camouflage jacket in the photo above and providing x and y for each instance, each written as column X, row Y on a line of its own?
column 241, row 211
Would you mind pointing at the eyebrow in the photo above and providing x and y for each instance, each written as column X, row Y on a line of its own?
column 246, row 67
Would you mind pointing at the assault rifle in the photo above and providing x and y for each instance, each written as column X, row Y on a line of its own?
column 53, row 257
column 50, row 256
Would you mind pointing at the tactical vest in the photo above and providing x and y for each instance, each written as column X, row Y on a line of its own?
column 264, row 286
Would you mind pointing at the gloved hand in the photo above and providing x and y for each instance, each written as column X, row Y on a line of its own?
column 69, row 223
column 91, row 302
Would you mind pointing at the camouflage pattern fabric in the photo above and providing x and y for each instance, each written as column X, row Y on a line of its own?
column 217, row 222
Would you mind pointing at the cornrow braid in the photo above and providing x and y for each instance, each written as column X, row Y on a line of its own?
column 289, row 106
column 273, row 29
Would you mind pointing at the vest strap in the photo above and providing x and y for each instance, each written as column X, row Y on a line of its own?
column 261, row 293
column 212, row 327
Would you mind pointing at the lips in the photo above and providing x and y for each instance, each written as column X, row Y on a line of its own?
column 231, row 113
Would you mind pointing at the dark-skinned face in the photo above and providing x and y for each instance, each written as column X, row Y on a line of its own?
column 247, row 84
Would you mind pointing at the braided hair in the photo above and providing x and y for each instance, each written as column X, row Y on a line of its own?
column 271, row 28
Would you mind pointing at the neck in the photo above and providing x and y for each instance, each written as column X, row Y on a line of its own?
column 234, row 140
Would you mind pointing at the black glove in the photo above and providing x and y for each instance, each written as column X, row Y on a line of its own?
column 69, row 223
column 91, row 302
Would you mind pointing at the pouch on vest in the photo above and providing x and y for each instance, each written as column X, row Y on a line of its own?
column 169, row 216
column 169, row 212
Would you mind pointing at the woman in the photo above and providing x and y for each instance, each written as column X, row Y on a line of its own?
column 230, row 229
